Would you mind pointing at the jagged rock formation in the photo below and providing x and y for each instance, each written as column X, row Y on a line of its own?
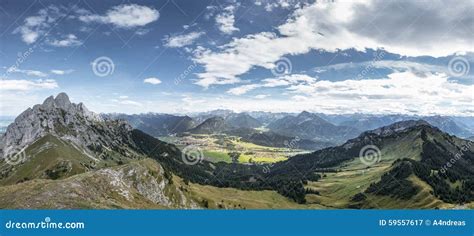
column 61, row 118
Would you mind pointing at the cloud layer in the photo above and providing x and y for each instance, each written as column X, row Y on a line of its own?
column 123, row 16
column 182, row 40
column 27, row 85
column 396, row 26
column 225, row 20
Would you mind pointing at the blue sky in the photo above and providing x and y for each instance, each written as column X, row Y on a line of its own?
column 185, row 56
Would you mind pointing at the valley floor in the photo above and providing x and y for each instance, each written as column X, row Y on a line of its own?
column 216, row 148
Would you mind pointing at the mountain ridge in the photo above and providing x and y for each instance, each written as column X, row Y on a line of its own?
column 310, row 126
column 413, row 152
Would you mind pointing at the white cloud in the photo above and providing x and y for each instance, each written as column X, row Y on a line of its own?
column 152, row 80
column 123, row 16
column 296, row 81
column 261, row 96
column 123, row 97
column 178, row 41
column 225, row 21
column 414, row 28
column 389, row 64
column 141, row 32
column 400, row 92
column 243, row 89
column 36, row 73
column 300, row 98
column 36, row 26
column 27, row 85
column 61, row 72
column 270, row 5
column 130, row 102
column 69, row 40
column 39, row 25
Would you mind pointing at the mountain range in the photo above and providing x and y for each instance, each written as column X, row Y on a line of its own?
column 310, row 126
column 74, row 158
column 459, row 126
column 157, row 124
column 333, row 129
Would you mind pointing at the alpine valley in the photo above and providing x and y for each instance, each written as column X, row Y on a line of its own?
column 58, row 154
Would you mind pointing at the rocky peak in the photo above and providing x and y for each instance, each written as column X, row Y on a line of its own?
column 48, row 102
column 60, row 117
column 305, row 114
column 62, row 101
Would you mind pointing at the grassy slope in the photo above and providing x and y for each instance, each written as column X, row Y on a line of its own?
column 336, row 189
column 89, row 190
column 230, row 198
column 51, row 153
column 423, row 200
column 98, row 189
column 45, row 154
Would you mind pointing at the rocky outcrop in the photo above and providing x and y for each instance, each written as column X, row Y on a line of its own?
column 139, row 184
column 69, row 121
